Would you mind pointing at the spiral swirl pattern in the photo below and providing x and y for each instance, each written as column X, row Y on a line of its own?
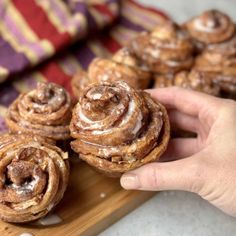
column 210, row 27
column 167, row 48
column 220, row 61
column 45, row 111
column 122, row 66
column 116, row 126
column 33, row 177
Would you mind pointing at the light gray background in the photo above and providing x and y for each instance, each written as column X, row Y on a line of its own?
column 177, row 213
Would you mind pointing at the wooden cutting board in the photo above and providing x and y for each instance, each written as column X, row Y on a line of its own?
column 91, row 204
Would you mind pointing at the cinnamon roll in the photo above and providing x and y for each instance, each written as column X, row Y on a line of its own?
column 33, row 177
column 122, row 66
column 45, row 111
column 166, row 49
column 220, row 60
column 118, row 128
column 195, row 80
column 211, row 27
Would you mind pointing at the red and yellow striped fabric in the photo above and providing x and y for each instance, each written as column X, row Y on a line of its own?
column 52, row 39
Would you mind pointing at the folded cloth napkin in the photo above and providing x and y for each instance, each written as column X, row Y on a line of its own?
column 52, row 39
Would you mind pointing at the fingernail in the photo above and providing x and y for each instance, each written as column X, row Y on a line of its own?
column 130, row 181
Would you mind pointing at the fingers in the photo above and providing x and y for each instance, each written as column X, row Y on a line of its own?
column 184, row 174
column 179, row 148
column 183, row 121
column 186, row 101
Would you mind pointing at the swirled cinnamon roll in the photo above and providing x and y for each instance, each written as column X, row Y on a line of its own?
column 122, row 66
column 118, row 128
column 221, row 61
column 195, row 80
column 219, row 58
column 33, row 177
column 45, row 111
column 165, row 49
column 211, row 27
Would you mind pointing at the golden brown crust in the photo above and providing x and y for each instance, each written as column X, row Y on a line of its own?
column 220, row 60
column 130, row 60
column 122, row 66
column 108, row 70
column 211, row 27
column 195, row 80
column 45, row 111
column 169, row 49
column 33, row 177
column 165, row 49
column 117, row 128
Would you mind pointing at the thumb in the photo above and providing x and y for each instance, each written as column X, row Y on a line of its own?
column 184, row 174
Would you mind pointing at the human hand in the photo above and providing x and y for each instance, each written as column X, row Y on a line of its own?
column 206, row 164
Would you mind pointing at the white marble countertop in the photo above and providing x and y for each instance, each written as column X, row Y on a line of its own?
column 177, row 213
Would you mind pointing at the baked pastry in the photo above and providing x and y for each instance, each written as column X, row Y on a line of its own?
column 220, row 60
column 118, row 128
column 34, row 177
column 44, row 111
column 211, row 27
column 122, row 66
column 194, row 79
column 166, row 49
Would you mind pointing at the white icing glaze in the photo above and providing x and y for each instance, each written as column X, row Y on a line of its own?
column 54, row 101
column 96, row 125
column 26, row 234
column 129, row 112
column 117, row 109
column 102, row 195
column 155, row 53
column 50, row 220
column 133, row 159
column 11, row 153
column 51, row 205
column 138, row 124
column 133, row 147
column 106, row 152
column 97, row 96
column 172, row 63
column 26, row 187
column 124, row 86
column 83, row 117
column 209, row 28
column 65, row 156
column 35, row 145
column 104, row 77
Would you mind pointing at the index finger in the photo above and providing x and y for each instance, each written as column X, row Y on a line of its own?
column 187, row 101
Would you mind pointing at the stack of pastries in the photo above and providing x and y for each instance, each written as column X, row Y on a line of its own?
column 199, row 55
column 34, row 172
column 117, row 128
column 116, row 125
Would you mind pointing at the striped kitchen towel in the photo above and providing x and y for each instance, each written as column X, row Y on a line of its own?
column 52, row 39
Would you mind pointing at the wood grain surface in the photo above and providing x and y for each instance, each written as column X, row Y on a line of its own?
column 91, row 204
